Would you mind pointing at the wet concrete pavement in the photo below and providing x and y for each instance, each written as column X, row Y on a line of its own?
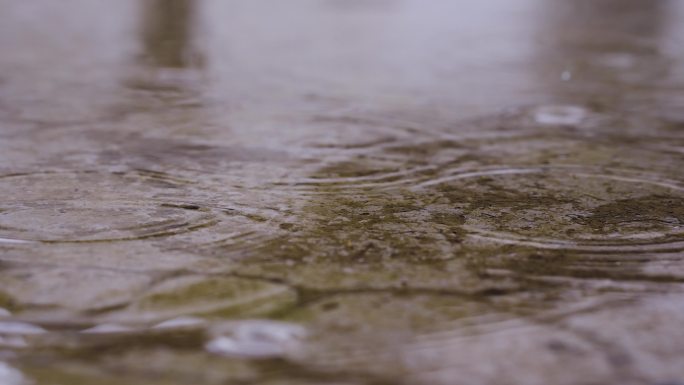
column 341, row 192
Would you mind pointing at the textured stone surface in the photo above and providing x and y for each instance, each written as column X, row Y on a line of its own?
column 341, row 192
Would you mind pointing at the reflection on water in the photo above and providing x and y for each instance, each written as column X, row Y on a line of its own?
column 325, row 192
column 167, row 32
column 612, row 57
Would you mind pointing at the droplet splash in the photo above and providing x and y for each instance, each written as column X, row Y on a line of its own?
column 559, row 115
column 256, row 339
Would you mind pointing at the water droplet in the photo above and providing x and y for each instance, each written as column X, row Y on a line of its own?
column 559, row 115
column 20, row 328
column 10, row 376
column 566, row 76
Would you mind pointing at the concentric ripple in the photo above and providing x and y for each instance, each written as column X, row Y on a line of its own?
column 89, row 206
column 402, row 161
column 567, row 207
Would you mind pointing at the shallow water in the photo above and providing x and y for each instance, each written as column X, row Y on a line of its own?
column 341, row 192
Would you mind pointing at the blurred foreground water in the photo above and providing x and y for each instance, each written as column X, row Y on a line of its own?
column 341, row 192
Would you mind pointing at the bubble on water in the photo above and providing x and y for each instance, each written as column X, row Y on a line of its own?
column 559, row 115
column 255, row 339
column 10, row 376
column 180, row 322
column 20, row 328
column 566, row 76
column 108, row 328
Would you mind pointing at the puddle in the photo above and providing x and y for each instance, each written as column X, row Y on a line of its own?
column 341, row 192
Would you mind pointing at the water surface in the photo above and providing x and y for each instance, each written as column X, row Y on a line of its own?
column 341, row 192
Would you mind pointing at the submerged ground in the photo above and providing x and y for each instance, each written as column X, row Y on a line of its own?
column 341, row 192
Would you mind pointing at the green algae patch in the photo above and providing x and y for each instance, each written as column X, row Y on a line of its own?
column 214, row 297
column 352, row 169
column 648, row 213
column 141, row 366
column 365, row 229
